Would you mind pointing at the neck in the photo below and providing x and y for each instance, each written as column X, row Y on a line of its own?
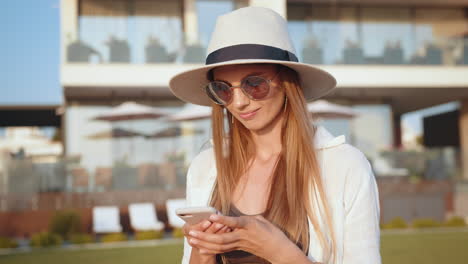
column 268, row 140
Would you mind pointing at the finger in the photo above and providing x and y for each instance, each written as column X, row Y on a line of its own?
column 231, row 221
column 223, row 238
column 212, row 248
column 202, row 226
column 223, row 230
column 214, row 228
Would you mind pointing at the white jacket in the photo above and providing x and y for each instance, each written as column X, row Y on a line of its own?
column 351, row 191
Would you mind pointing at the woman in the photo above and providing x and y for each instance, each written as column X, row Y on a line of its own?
column 290, row 192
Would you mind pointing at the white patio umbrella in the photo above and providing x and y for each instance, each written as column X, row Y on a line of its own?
column 116, row 133
column 129, row 111
column 191, row 112
column 132, row 111
column 173, row 133
column 322, row 109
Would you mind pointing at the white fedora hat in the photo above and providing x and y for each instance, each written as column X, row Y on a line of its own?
column 250, row 35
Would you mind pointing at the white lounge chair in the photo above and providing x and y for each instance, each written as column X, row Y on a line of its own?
column 106, row 219
column 143, row 217
column 171, row 206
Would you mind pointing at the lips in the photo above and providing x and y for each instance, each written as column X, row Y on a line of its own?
column 249, row 115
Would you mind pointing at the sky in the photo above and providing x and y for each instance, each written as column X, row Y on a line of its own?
column 30, row 52
column 29, row 70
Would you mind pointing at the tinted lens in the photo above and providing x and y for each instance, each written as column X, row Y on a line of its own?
column 257, row 87
column 219, row 92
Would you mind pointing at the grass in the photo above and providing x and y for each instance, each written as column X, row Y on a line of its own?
column 425, row 247
column 166, row 254
column 397, row 248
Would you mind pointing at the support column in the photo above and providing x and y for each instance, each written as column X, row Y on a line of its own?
column 397, row 135
column 463, row 125
column 277, row 5
column 68, row 25
column 190, row 22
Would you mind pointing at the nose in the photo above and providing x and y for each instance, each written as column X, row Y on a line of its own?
column 239, row 99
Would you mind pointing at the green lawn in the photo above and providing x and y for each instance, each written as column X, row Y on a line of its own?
column 412, row 248
column 425, row 247
column 166, row 254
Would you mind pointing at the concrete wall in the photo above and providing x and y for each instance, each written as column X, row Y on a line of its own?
column 427, row 199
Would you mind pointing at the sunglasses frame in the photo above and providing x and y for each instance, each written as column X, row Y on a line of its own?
column 214, row 97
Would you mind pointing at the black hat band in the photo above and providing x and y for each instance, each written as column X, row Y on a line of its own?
column 249, row 51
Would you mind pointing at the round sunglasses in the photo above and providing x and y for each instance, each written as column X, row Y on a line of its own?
column 254, row 87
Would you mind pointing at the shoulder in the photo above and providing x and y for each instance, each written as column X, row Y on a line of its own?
column 346, row 166
column 203, row 159
column 347, row 155
column 335, row 152
column 338, row 159
column 201, row 166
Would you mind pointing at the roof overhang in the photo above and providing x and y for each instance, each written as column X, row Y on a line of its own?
column 30, row 115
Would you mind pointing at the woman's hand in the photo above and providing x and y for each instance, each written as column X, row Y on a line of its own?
column 253, row 234
column 207, row 227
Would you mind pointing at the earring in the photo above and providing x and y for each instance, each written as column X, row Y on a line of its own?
column 285, row 103
column 232, row 116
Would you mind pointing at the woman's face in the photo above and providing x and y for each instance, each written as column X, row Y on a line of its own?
column 253, row 114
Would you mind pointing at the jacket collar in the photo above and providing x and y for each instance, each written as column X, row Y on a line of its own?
column 324, row 139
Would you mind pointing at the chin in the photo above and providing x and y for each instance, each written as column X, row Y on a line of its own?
column 254, row 125
column 261, row 123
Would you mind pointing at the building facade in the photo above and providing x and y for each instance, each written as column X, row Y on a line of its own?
column 393, row 56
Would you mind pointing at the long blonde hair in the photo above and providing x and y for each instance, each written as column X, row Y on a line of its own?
column 295, row 177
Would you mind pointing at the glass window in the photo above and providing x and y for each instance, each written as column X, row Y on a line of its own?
column 334, row 34
column 384, row 30
column 100, row 23
column 157, row 30
column 320, row 33
column 128, row 31
column 441, row 30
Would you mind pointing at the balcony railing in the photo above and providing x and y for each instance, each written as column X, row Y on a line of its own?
column 442, row 52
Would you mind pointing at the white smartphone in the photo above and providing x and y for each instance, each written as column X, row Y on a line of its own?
column 194, row 215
